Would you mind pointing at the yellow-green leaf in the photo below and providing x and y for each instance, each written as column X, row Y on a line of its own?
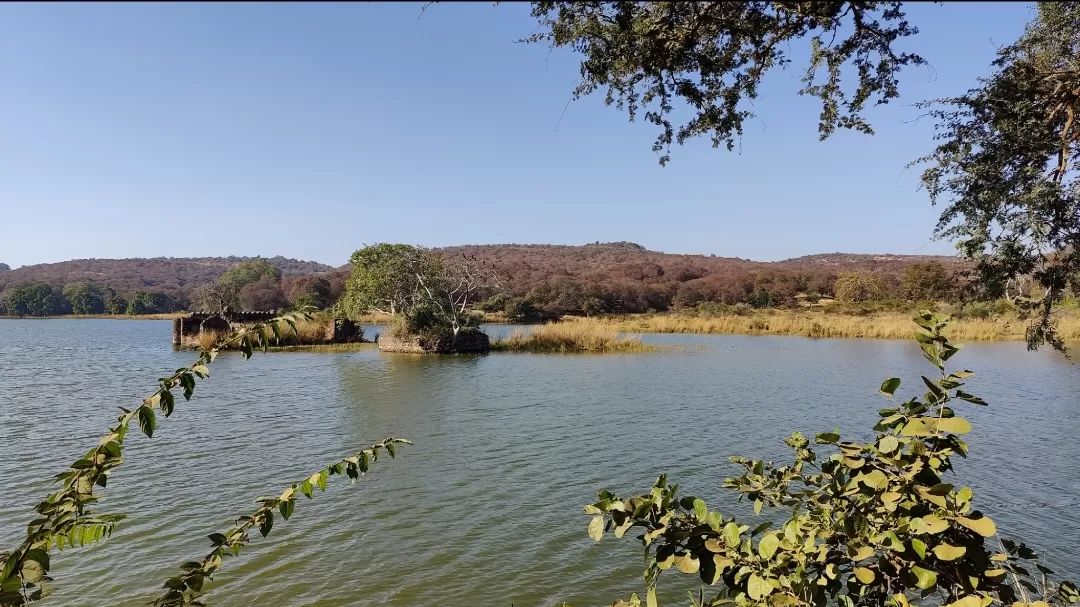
column 768, row 545
column 924, row 577
column 757, row 587
column 955, row 425
column 863, row 553
column 983, row 526
column 948, row 552
column 919, row 547
column 933, row 525
column 596, row 528
column 650, row 597
column 864, row 575
column 875, row 479
column 687, row 563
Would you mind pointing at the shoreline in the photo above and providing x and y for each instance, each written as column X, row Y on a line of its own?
column 800, row 323
column 168, row 316
column 878, row 325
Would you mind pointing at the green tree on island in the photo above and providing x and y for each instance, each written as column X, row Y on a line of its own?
column 426, row 294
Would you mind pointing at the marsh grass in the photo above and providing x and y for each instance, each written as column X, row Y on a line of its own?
column 877, row 325
column 311, row 335
column 571, row 337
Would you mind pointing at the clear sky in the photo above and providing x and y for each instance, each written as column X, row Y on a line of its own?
column 308, row 130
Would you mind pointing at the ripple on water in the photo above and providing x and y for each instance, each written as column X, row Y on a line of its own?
column 485, row 509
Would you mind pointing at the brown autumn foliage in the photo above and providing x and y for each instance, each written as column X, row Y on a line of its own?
column 625, row 277
column 542, row 281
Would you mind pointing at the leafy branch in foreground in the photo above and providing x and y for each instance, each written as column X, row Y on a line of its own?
column 64, row 517
column 183, row 589
column 871, row 525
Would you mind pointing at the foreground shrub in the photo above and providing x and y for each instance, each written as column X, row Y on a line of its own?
column 870, row 524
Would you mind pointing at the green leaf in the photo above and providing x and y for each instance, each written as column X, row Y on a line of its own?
column 267, row 524
column 970, row 398
column 826, row 438
column 713, row 521
column 201, row 370
column 875, row 479
column 596, row 528
column 732, row 535
column 650, row 597
column 889, row 386
column 935, row 389
column 982, row 525
column 700, row 511
column 757, row 587
column 888, row 444
column 768, row 545
column 953, row 425
column 305, row 488
column 321, row 481
column 167, row 402
column 286, row 508
column 217, row 539
column 864, row 575
column 919, row 547
column 924, row 578
column 947, row 552
column 147, row 421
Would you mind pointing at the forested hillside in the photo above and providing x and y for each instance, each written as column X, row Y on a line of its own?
column 555, row 279
column 626, row 277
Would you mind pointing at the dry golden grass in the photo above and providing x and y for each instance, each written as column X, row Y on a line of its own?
column 881, row 325
column 571, row 337
column 309, row 334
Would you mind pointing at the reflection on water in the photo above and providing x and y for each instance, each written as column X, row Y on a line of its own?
column 485, row 509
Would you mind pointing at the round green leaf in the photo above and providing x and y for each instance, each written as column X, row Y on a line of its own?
column 889, row 386
column 948, row 552
column 864, row 575
column 768, row 545
column 757, row 587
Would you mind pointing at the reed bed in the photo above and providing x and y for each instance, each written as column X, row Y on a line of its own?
column 885, row 325
column 572, row 337
column 314, row 335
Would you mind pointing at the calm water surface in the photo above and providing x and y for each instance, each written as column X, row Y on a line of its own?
column 485, row 509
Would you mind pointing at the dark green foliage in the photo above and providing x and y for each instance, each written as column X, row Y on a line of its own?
column 116, row 305
column 1006, row 167
column 876, row 524
column 85, row 298
column 427, row 294
column 4, row 267
column 36, row 299
column 150, row 302
column 712, row 56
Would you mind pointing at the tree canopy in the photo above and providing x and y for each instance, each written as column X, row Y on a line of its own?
column 1006, row 167
column 713, row 55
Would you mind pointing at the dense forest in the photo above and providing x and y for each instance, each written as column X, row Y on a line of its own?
column 624, row 277
column 538, row 281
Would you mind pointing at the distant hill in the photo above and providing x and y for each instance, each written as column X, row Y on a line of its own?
column 176, row 276
column 626, row 277
column 614, row 277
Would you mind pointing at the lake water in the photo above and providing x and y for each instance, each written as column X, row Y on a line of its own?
column 485, row 509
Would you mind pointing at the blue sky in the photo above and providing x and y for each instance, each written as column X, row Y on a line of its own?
column 308, row 130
